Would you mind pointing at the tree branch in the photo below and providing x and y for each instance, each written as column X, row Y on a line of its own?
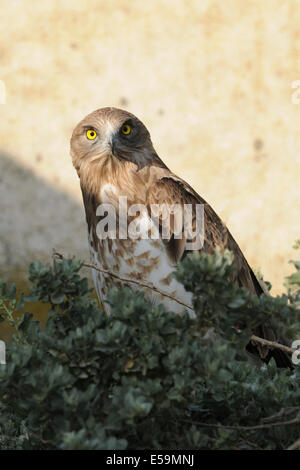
column 128, row 279
column 295, row 446
column 246, row 428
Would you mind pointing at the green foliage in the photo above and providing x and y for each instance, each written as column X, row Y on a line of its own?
column 8, row 304
column 145, row 378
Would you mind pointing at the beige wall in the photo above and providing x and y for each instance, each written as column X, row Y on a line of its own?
column 211, row 80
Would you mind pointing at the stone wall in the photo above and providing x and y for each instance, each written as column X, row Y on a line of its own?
column 212, row 80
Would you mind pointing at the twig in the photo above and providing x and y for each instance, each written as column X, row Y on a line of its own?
column 254, row 338
column 39, row 438
column 127, row 279
column 295, row 446
column 283, row 412
column 272, row 344
column 245, row 428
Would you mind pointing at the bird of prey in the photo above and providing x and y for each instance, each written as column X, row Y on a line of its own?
column 112, row 152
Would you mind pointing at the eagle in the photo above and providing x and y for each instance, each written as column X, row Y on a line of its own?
column 121, row 173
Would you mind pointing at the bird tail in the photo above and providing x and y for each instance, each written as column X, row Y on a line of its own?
column 266, row 353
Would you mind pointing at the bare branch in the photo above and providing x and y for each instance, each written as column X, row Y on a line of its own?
column 272, row 344
column 247, row 428
column 295, row 446
column 127, row 279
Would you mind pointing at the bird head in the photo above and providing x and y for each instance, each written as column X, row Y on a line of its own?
column 111, row 134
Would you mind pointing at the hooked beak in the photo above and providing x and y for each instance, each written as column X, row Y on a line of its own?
column 113, row 145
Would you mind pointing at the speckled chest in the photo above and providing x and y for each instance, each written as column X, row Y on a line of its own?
column 142, row 258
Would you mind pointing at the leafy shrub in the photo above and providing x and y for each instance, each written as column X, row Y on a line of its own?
column 145, row 378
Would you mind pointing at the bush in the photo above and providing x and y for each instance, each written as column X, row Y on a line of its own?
column 145, row 378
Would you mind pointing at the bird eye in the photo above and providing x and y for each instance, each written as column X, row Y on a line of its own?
column 91, row 134
column 126, row 129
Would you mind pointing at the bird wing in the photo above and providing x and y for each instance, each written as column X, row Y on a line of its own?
column 170, row 190
column 173, row 190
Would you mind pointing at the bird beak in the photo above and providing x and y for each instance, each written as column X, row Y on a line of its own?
column 113, row 144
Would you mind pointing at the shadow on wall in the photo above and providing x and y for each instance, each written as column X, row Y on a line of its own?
column 35, row 217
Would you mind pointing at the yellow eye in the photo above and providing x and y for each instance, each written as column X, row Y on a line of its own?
column 91, row 134
column 126, row 129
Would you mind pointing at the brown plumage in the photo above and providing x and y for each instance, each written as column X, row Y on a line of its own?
column 111, row 163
